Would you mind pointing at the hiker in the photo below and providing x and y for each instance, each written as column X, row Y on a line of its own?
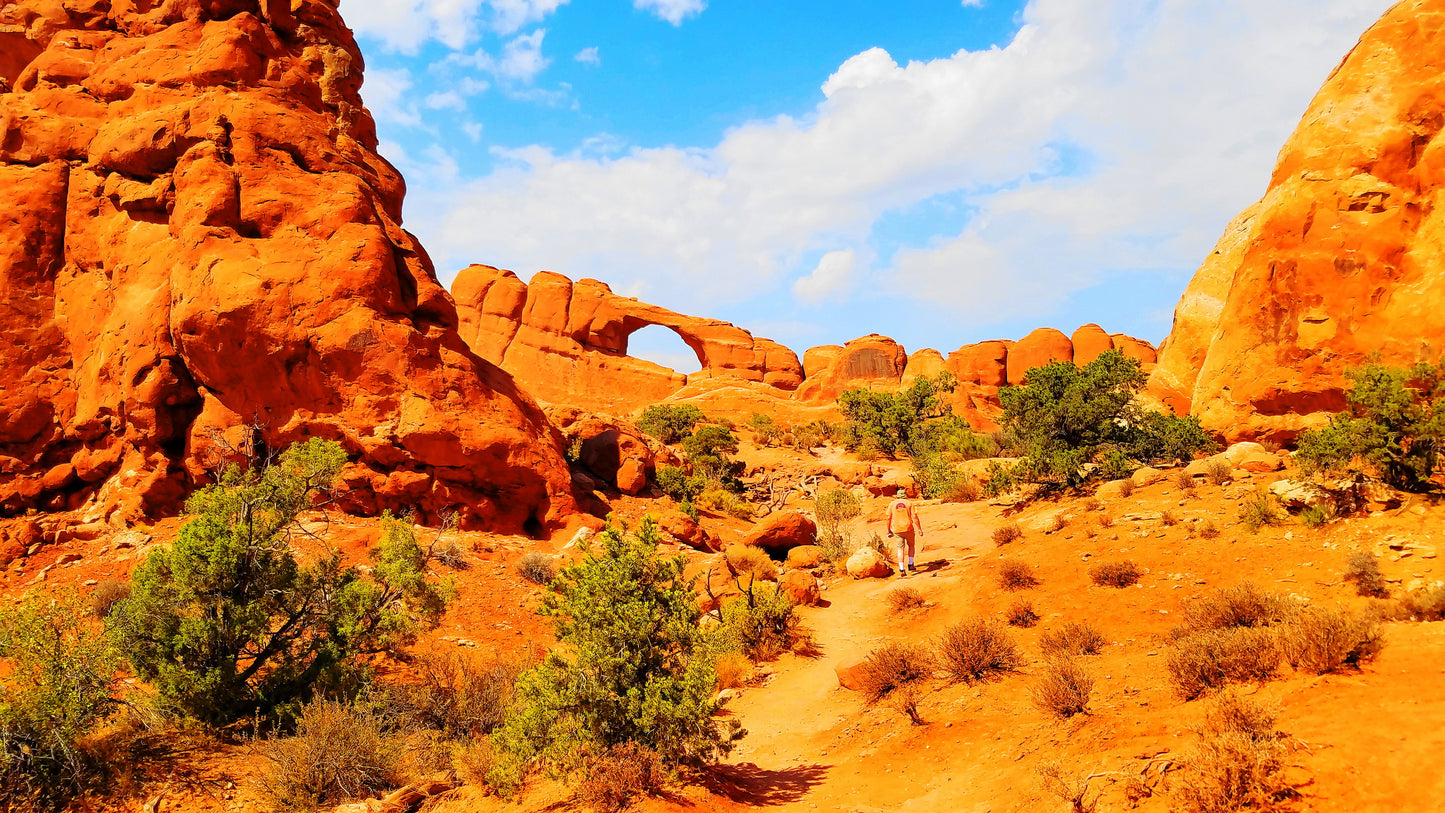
column 903, row 523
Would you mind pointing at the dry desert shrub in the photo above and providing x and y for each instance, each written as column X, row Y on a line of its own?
column 456, row 694
column 1075, row 638
column 892, row 667
column 106, row 595
column 1068, row 787
column 1115, row 574
column 473, row 760
column 1208, row 530
column 1242, row 605
column 1093, row 504
column 976, row 649
column 1425, row 604
column 1260, row 510
column 904, row 599
column 1168, row 519
column 1362, row 569
column 1184, row 481
column 537, row 567
column 1063, row 690
column 1106, row 520
column 1056, row 523
column 340, row 753
column 1016, row 575
column 1313, row 516
column 624, row 772
column 1021, row 614
column 734, row 669
column 1239, row 762
column 1004, row 534
column 1211, row 658
column 1219, row 472
column 449, row 553
column 964, row 489
column 1327, row 639
column 1126, row 488
column 745, row 560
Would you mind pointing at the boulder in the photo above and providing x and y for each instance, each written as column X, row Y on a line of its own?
column 686, row 531
column 782, row 530
column 1090, row 342
column 851, row 672
column 1338, row 264
column 1296, row 495
column 804, row 557
column 1113, row 490
column 1146, row 476
column 1043, row 346
column 1238, row 452
column 1260, row 462
column 869, row 361
column 867, row 563
column 800, row 586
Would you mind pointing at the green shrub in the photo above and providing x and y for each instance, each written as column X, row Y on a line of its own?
column 57, row 689
column 1394, row 426
column 1000, row 479
column 1260, row 510
column 1066, row 416
column 762, row 623
column 833, row 510
column 766, row 429
column 228, row 625
column 676, row 483
column 670, row 423
column 634, row 666
column 893, row 423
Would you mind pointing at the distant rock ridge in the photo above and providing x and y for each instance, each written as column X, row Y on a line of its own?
column 196, row 233
column 1342, row 260
column 566, row 342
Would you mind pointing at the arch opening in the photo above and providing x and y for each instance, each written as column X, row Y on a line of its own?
column 663, row 345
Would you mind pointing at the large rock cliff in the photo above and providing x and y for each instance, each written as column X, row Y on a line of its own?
column 196, row 233
column 1343, row 260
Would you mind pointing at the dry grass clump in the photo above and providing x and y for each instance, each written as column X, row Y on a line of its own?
column 976, row 649
column 1239, row 762
column 1208, row 530
column 1063, row 690
column 734, row 669
column 1425, row 604
column 964, row 489
column 1313, row 516
column 106, row 595
column 613, row 780
column 537, row 567
column 473, row 760
column 1004, row 534
column 893, row 667
column 1260, row 510
column 1362, row 569
column 745, row 560
column 455, row 694
column 1115, row 574
column 340, row 753
column 1242, row 605
column 1021, row 614
column 1126, row 487
column 904, row 599
column 1219, row 472
column 1016, row 575
column 1056, row 523
column 1070, row 788
column 1328, row 639
column 1093, row 504
column 1075, row 638
column 1210, row 659
column 1184, row 481
column 1106, row 521
column 1168, row 519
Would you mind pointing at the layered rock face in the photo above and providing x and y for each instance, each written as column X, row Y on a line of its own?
column 1340, row 261
column 196, row 233
column 567, row 342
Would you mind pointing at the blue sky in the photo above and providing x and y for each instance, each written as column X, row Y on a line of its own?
column 940, row 172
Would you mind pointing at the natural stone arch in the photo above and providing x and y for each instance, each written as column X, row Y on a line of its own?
column 651, row 330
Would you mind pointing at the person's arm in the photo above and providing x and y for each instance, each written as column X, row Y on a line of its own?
column 917, row 523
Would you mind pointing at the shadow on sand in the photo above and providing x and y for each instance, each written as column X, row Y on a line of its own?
column 748, row 784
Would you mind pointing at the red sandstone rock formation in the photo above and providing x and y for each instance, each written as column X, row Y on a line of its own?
column 567, row 341
column 1341, row 259
column 196, row 233
column 871, row 360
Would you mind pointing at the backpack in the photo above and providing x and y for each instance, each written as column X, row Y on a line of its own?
column 900, row 522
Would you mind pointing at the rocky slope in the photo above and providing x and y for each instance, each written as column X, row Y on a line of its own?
column 1340, row 261
column 197, row 233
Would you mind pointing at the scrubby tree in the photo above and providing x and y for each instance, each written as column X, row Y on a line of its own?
column 228, row 624
column 1394, row 426
column 56, row 688
column 1065, row 417
column 670, row 423
column 892, row 422
column 634, row 667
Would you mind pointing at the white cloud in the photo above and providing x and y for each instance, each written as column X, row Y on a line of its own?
column 673, row 11
column 520, row 61
column 831, row 278
column 473, row 129
column 1168, row 116
column 973, row 3
column 405, row 25
column 387, row 94
column 588, row 56
column 445, row 100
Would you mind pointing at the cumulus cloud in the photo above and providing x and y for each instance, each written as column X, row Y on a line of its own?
column 588, row 56
column 673, row 11
column 1107, row 136
column 520, row 60
column 405, row 25
column 831, row 278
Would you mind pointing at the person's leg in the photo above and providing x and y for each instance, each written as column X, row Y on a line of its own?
column 904, row 548
column 910, row 553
